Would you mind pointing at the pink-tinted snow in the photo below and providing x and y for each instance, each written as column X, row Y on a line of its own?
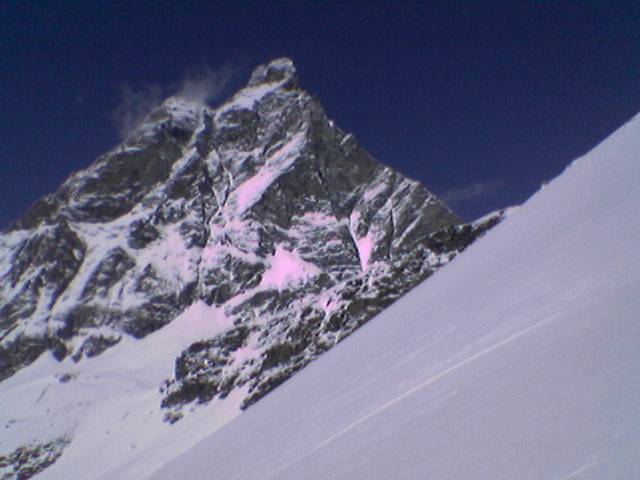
column 365, row 245
column 244, row 354
column 329, row 301
column 365, row 248
column 252, row 190
column 317, row 219
column 196, row 322
column 287, row 267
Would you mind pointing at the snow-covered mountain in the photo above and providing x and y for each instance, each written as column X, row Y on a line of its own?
column 202, row 262
column 519, row 360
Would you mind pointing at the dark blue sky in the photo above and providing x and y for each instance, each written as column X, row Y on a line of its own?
column 482, row 102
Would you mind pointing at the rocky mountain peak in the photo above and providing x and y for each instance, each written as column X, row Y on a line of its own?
column 280, row 70
column 263, row 210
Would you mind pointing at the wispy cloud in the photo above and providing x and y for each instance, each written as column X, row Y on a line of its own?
column 472, row 191
column 133, row 106
column 203, row 84
column 206, row 84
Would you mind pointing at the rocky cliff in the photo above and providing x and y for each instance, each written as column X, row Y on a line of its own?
column 261, row 208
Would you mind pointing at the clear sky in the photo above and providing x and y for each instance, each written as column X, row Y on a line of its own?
column 481, row 101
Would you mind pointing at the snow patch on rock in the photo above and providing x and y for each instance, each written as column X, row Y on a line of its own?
column 287, row 267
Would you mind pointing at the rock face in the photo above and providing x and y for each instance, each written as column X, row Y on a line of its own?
column 29, row 460
column 262, row 208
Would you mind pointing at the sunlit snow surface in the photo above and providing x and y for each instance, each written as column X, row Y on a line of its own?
column 287, row 267
column 520, row 360
column 250, row 191
column 110, row 407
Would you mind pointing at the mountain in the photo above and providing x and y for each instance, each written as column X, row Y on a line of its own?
column 519, row 360
column 204, row 261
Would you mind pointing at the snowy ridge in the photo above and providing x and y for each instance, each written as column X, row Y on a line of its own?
column 534, row 372
column 259, row 228
column 112, row 403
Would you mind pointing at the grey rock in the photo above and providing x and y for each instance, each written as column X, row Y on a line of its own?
column 261, row 207
column 108, row 273
column 28, row 460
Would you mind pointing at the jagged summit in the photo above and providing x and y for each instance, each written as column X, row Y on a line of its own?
column 521, row 361
column 261, row 221
column 204, row 204
column 178, row 108
column 277, row 74
column 280, row 70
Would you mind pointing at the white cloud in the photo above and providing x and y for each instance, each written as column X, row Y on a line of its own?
column 134, row 106
column 457, row 196
column 205, row 84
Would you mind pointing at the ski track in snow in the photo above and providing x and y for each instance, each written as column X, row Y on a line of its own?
column 573, row 412
column 579, row 471
column 425, row 384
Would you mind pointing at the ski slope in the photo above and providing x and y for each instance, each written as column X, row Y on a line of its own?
column 521, row 360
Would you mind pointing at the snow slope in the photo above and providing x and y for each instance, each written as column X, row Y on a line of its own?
column 262, row 205
column 110, row 407
column 520, row 360
column 193, row 269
